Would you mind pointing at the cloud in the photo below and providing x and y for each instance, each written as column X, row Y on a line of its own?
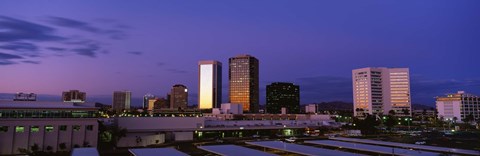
column 55, row 49
column 19, row 46
column 135, row 52
column 177, row 71
column 4, row 56
column 32, row 62
column 6, row 62
column 89, row 50
column 160, row 64
column 84, row 26
column 18, row 30
column 6, row 59
column 70, row 23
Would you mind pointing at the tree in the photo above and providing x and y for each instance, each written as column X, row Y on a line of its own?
column 455, row 119
column 62, row 146
column 469, row 118
column 49, row 148
column 391, row 112
column 35, row 147
column 367, row 125
column 391, row 122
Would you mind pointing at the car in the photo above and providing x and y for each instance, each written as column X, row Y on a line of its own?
column 420, row 142
column 291, row 139
column 256, row 136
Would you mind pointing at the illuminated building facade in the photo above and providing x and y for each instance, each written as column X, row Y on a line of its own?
column 281, row 94
column 459, row 105
column 210, row 84
column 50, row 126
column 146, row 99
column 243, row 79
column 121, row 101
column 74, row 96
column 376, row 91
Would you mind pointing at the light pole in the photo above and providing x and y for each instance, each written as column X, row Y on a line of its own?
column 408, row 123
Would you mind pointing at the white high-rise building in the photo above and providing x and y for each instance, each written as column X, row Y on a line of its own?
column 460, row 106
column 210, row 84
column 379, row 90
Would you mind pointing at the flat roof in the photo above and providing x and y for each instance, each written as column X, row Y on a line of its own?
column 85, row 151
column 412, row 146
column 372, row 148
column 300, row 149
column 234, row 150
column 156, row 152
column 44, row 105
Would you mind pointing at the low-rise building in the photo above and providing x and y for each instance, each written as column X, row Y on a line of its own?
column 50, row 126
column 459, row 106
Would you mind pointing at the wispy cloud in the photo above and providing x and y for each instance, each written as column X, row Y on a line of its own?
column 55, row 48
column 89, row 50
column 135, row 52
column 19, row 46
column 23, row 39
column 31, row 62
column 177, row 71
column 20, row 30
column 161, row 64
column 6, row 59
column 88, row 27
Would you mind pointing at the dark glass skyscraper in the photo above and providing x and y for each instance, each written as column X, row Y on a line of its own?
column 243, row 79
column 179, row 96
column 281, row 94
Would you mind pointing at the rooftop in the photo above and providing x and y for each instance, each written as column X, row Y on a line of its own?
column 4, row 104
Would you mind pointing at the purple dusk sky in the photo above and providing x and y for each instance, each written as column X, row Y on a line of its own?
column 98, row 47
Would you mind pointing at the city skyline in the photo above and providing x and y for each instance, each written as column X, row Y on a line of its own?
column 50, row 48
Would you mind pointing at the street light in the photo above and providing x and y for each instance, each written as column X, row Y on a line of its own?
column 408, row 122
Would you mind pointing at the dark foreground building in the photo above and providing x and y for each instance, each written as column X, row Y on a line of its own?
column 281, row 94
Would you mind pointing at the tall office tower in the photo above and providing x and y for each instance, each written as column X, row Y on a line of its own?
column 281, row 94
column 460, row 105
column 146, row 98
column 243, row 79
column 376, row 91
column 209, row 84
column 121, row 101
column 73, row 96
column 179, row 96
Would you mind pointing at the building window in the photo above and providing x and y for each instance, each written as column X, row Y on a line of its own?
column 34, row 129
column 76, row 127
column 3, row 128
column 90, row 127
column 63, row 128
column 49, row 128
column 19, row 129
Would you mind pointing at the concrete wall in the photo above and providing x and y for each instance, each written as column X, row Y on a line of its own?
column 183, row 136
column 159, row 123
column 11, row 140
column 141, row 139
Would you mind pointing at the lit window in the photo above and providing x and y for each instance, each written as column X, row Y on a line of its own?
column 34, row 129
column 19, row 129
column 49, row 128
